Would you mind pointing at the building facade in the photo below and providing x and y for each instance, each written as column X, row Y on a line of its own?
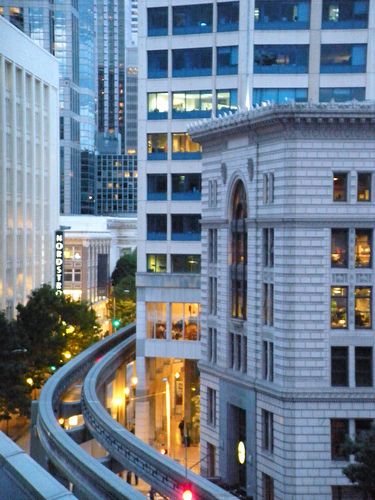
column 287, row 296
column 29, row 170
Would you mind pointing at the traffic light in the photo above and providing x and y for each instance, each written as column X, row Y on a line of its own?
column 187, row 494
column 116, row 323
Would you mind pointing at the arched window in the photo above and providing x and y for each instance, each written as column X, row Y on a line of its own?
column 238, row 267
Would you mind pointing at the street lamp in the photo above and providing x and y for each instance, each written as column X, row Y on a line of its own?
column 168, row 412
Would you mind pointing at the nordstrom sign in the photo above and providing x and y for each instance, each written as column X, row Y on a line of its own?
column 59, row 262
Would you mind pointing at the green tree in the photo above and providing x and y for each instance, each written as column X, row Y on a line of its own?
column 362, row 471
column 14, row 392
column 122, row 304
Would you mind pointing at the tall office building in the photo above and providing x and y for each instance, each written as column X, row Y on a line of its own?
column 202, row 59
column 28, row 165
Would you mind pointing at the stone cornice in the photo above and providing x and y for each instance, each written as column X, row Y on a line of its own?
column 324, row 114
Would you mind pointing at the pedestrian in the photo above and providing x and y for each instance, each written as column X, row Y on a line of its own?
column 132, row 430
column 181, row 426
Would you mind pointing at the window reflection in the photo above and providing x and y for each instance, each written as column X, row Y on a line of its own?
column 363, row 307
column 363, row 248
column 226, row 101
column 339, row 307
column 339, row 248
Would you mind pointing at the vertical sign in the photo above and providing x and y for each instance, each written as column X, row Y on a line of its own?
column 59, row 262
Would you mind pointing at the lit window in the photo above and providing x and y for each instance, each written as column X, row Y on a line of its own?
column 344, row 14
column 343, row 58
column 185, row 321
column 157, row 146
column 364, row 186
column 363, row 247
column 339, row 307
column 340, row 181
column 239, row 252
column 226, row 101
column 156, row 320
column 157, row 105
column 192, row 104
column 184, row 148
column 156, row 263
column 339, row 248
column 363, row 298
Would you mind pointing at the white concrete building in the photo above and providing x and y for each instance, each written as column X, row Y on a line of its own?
column 29, row 165
column 287, row 367
column 197, row 60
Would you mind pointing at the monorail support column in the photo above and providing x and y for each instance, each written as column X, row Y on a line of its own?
column 142, row 407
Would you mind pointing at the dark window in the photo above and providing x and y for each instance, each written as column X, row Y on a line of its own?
column 340, row 186
column 288, row 14
column 268, row 487
column 363, row 309
column 227, row 16
column 342, row 94
column 339, row 248
column 183, row 148
column 157, row 63
column 267, row 360
column 189, row 19
column 343, row 58
column 16, row 17
column 103, row 273
column 267, row 430
column 279, row 96
column 268, row 304
column 339, row 366
column 156, row 186
column 339, row 432
column 281, row 58
column 363, row 248
column 268, row 247
column 157, row 21
column 186, row 227
column 227, row 60
column 364, row 186
column 211, row 406
column 186, row 186
column 341, row 14
column 212, row 246
column 157, row 146
column 186, row 263
column 156, row 263
column 157, row 105
column 226, row 101
column 192, row 62
column 156, row 227
column 362, row 427
column 212, row 345
column 239, row 252
column 212, row 295
column 363, row 367
column 192, row 104
column 339, row 307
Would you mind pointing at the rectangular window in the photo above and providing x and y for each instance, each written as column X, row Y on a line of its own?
column 156, row 320
column 192, row 104
column 211, row 407
column 226, row 101
column 186, row 227
column 363, row 307
column 344, row 14
column 212, row 345
column 267, row 360
column 212, row 246
column 192, row 62
column 183, row 148
column 156, row 186
column 212, row 296
column 362, row 427
column 157, row 21
column 227, row 60
column 185, row 320
column 281, row 58
column 339, row 307
column 268, row 304
column 157, row 146
column 156, row 227
column 186, row 263
column 279, row 96
column 268, row 247
column 342, row 94
column 157, row 63
column 363, row 367
column 186, row 187
column 156, row 263
column 231, row 350
column 340, row 186
column 157, row 105
column 268, row 487
column 191, row 19
column 239, row 298
column 244, row 354
column 363, row 248
column 364, row 186
column 267, row 430
column 343, row 58
column 16, row 17
column 227, row 16
column 339, row 432
column 289, row 14
column 339, row 248
column 339, row 366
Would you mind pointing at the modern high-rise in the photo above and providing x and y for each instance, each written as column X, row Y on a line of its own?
column 198, row 60
column 29, row 168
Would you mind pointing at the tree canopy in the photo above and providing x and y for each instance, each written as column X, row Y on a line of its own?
column 122, row 303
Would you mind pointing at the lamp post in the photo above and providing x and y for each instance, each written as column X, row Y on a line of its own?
column 168, row 412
